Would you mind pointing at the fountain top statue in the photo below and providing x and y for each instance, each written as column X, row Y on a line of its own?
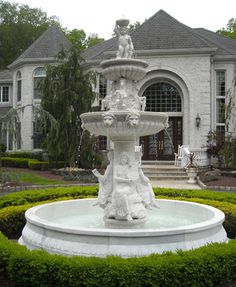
column 126, row 47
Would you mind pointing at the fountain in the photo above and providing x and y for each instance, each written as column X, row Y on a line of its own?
column 125, row 219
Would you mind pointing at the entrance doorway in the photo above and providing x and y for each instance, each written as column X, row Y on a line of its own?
column 164, row 96
column 163, row 145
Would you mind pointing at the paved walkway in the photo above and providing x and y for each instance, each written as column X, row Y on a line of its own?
column 178, row 184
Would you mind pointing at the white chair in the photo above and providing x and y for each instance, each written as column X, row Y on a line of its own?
column 179, row 155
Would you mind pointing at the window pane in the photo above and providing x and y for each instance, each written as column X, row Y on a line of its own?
column 38, row 82
column 162, row 97
column 5, row 94
column 220, row 110
column 220, row 83
column 19, row 90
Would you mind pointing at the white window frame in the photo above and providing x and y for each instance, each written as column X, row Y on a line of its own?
column 1, row 94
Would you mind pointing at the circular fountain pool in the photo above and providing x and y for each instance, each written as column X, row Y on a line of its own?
column 76, row 227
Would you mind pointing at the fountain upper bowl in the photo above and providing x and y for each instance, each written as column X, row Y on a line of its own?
column 130, row 69
column 149, row 123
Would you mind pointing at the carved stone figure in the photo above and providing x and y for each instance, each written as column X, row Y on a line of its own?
column 127, row 203
column 105, row 183
column 109, row 119
column 133, row 119
column 126, row 47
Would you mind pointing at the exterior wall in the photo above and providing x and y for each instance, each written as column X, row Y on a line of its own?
column 193, row 76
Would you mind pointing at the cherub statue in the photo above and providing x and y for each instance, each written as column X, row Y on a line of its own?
column 126, row 47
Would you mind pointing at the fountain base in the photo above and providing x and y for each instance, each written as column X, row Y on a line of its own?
column 76, row 227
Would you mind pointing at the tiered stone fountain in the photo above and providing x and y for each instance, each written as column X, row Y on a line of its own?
column 130, row 224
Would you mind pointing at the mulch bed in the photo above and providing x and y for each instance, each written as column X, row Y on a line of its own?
column 222, row 181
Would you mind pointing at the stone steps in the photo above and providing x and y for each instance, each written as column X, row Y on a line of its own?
column 163, row 171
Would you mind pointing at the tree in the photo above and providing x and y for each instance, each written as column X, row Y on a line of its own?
column 67, row 93
column 79, row 39
column 230, row 30
column 20, row 25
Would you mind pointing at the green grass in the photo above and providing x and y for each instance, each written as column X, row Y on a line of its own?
column 34, row 179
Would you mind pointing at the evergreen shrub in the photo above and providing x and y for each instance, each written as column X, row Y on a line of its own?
column 212, row 265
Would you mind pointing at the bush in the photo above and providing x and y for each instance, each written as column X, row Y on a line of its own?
column 15, row 162
column 212, row 265
column 22, row 154
column 38, row 165
column 207, row 266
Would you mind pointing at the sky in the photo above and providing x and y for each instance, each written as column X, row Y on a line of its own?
column 99, row 16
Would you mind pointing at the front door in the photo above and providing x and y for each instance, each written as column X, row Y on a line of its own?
column 163, row 145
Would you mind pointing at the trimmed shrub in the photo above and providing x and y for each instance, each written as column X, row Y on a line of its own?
column 38, row 165
column 23, row 154
column 212, row 265
column 15, row 162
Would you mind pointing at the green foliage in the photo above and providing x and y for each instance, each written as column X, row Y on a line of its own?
column 67, row 93
column 212, row 265
column 30, row 196
column 207, row 266
column 38, row 165
column 23, row 154
column 15, row 162
column 20, row 25
column 230, row 30
column 79, row 39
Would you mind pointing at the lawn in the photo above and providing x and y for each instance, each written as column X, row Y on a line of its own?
column 28, row 177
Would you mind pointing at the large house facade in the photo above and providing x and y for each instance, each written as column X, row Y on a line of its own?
column 190, row 74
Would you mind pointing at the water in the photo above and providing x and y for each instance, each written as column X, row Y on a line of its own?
column 155, row 220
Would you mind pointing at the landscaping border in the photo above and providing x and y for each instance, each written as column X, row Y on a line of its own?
column 213, row 265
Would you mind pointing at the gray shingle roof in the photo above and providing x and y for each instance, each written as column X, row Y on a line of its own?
column 48, row 45
column 225, row 45
column 5, row 76
column 162, row 31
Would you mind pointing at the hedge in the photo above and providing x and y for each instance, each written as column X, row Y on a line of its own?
column 30, row 163
column 15, row 162
column 38, row 165
column 212, row 265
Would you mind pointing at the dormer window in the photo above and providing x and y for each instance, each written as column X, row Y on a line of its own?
column 39, row 76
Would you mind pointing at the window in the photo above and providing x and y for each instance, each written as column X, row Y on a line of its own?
column 4, row 94
column 220, row 101
column 162, row 97
column 19, row 84
column 39, row 76
column 37, row 136
column 102, row 89
column 18, row 135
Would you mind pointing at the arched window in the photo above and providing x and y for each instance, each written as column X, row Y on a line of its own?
column 39, row 76
column 162, row 97
column 19, row 86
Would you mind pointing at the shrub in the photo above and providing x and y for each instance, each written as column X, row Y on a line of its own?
column 212, row 265
column 15, row 162
column 207, row 266
column 23, row 154
column 38, row 165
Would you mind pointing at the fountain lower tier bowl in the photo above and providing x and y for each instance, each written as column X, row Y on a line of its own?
column 149, row 123
column 76, row 227
column 130, row 69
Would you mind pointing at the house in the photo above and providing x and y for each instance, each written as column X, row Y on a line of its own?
column 189, row 75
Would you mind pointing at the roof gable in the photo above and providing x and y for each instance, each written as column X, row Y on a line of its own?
column 48, row 45
column 163, row 32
